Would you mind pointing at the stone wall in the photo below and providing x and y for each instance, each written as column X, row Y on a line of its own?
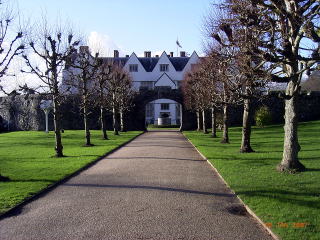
column 23, row 113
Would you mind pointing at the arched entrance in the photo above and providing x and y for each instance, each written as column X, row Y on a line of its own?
column 163, row 112
column 139, row 117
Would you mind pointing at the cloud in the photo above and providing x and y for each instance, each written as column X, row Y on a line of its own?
column 103, row 44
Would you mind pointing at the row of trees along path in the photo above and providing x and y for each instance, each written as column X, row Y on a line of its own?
column 57, row 51
column 250, row 44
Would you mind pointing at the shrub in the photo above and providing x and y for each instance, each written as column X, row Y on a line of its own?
column 263, row 116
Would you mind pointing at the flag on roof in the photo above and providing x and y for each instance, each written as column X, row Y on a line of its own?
column 178, row 44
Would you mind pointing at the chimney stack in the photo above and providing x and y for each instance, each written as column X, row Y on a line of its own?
column 157, row 56
column 182, row 54
column 147, row 54
column 127, row 56
column 115, row 53
column 84, row 49
column 171, row 54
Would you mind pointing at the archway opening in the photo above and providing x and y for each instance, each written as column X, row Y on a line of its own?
column 163, row 114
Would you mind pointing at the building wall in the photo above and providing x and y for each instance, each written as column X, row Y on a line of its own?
column 25, row 114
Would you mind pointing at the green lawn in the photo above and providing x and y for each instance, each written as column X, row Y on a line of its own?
column 26, row 157
column 289, row 203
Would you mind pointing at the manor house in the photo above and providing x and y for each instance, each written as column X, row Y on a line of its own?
column 152, row 72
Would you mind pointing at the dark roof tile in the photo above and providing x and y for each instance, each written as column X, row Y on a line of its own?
column 148, row 63
column 179, row 62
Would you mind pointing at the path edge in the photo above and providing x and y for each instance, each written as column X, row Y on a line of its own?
column 276, row 237
column 41, row 193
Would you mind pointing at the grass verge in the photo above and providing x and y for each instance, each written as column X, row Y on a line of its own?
column 27, row 158
column 288, row 203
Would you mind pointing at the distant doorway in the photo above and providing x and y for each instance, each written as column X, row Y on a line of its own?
column 163, row 113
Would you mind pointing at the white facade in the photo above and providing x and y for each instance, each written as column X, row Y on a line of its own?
column 153, row 72
column 168, row 71
column 156, row 76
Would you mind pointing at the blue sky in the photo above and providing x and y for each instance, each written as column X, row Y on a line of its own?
column 129, row 25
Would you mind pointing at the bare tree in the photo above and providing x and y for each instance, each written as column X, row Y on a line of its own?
column 54, row 47
column 118, row 88
column 82, row 72
column 125, row 95
column 225, row 94
column 290, row 44
column 196, row 93
column 10, row 47
column 101, row 84
column 212, row 84
column 245, row 75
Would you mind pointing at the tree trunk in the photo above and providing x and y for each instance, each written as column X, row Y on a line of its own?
column 291, row 148
column 122, row 127
column 214, row 122
column 225, row 135
column 204, row 122
column 198, row 121
column 103, row 124
column 57, row 127
column 115, row 120
column 246, row 127
column 86, row 124
column 181, row 118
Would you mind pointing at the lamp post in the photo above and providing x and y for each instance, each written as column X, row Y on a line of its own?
column 46, row 106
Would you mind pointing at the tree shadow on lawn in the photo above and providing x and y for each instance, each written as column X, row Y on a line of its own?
column 286, row 196
column 312, row 170
column 244, row 158
column 31, row 180
column 309, row 150
column 42, row 144
column 273, row 151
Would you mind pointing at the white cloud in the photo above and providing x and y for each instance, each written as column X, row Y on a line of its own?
column 103, row 44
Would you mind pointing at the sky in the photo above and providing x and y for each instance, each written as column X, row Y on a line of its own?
column 128, row 25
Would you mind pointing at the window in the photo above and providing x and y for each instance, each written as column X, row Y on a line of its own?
column 164, row 67
column 178, row 84
column 133, row 67
column 164, row 106
column 146, row 85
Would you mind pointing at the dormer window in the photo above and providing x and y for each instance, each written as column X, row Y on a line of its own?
column 164, row 67
column 165, row 106
column 133, row 67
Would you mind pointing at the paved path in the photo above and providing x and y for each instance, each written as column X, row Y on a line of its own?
column 156, row 187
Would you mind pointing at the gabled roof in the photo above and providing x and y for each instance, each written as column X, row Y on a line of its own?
column 179, row 62
column 162, row 76
column 148, row 63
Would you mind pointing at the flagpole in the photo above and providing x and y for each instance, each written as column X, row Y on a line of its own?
column 177, row 47
column 177, row 51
